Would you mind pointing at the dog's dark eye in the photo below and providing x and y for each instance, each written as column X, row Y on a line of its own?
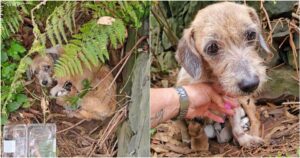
column 68, row 86
column 250, row 35
column 212, row 48
column 46, row 67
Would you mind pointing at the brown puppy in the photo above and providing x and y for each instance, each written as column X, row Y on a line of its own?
column 98, row 103
column 42, row 66
column 220, row 46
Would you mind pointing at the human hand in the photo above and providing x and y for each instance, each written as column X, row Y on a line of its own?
column 204, row 101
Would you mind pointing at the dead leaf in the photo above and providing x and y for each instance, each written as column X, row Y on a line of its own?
column 172, row 154
column 164, row 137
column 159, row 148
column 269, row 135
column 44, row 106
column 178, row 149
column 106, row 20
column 288, row 115
column 285, row 132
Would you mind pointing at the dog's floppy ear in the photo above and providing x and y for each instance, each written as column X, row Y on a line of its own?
column 29, row 73
column 54, row 52
column 187, row 55
column 254, row 17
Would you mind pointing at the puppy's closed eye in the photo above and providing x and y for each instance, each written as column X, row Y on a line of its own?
column 68, row 86
column 46, row 68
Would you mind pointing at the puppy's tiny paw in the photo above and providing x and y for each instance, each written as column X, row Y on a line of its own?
column 249, row 141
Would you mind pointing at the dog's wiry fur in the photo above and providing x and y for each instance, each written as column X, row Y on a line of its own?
column 237, row 59
column 99, row 103
column 42, row 66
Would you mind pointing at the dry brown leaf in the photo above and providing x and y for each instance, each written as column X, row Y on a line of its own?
column 285, row 132
column 106, row 20
column 44, row 105
column 164, row 137
column 288, row 115
column 269, row 135
column 178, row 149
column 173, row 154
column 160, row 148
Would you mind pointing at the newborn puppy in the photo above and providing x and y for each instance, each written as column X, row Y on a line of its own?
column 42, row 66
column 98, row 103
column 220, row 46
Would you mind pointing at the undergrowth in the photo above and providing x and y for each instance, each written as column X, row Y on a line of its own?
column 73, row 25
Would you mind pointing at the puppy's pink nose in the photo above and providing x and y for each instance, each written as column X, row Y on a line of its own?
column 248, row 85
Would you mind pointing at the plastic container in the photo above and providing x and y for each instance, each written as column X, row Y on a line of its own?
column 34, row 140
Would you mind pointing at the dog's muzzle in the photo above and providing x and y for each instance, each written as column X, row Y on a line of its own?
column 249, row 85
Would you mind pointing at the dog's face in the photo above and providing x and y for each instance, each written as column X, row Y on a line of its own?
column 223, row 39
column 42, row 66
column 42, row 69
column 63, row 87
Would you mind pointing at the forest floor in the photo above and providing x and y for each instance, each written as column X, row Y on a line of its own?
column 74, row 137
column 279, row 129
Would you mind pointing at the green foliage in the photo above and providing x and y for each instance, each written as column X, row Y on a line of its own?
column 130, row 12
column 12, row 94
column 11, row 18
column 90, row 47
column 74, row 100
column 55, row 22
column 63, row 15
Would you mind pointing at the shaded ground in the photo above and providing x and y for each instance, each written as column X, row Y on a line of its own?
column 74, row 137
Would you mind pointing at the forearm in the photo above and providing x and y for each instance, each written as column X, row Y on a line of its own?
column 164, row 105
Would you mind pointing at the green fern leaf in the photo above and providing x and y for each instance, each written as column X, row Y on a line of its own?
column 68, row 19
column 119, row 30
column 55, row 29
column 112, row 37
column 90, row 56
column 62, row 30
column 85, row 61
column 50, row 34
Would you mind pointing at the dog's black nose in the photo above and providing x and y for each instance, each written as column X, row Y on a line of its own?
column 249, row 85
column 44, row 82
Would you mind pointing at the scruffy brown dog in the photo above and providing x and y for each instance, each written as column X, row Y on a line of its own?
column 42, row 66
column 220, row 46
column 98, row 103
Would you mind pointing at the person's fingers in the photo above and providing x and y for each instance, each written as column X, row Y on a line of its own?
column 214, row 117
column 218, row 88
column 222, row 110
column 217, row 99
column 232, row 101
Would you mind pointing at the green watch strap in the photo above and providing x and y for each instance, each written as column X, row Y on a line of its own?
column 184, row 102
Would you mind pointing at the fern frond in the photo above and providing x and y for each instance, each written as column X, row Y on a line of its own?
column 89, row 47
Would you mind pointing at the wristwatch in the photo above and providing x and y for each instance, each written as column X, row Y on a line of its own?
column 184, row 102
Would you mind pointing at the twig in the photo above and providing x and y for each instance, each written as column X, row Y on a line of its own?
column 292, row 44
column 111, row 125
column 266, row 13
column 271, row 32
column 283, row 41
column 288, row 103
column 120, row 62
column 129, row 54
column 268, row 21
column 78, row 123
column 32, row 94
